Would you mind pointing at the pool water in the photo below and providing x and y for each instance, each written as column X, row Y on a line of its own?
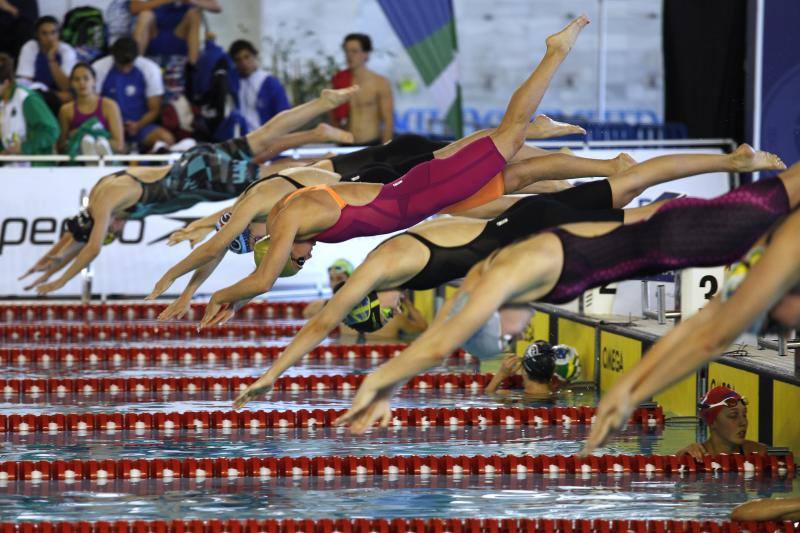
column 527, row 496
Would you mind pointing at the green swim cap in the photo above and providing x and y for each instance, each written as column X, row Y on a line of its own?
column 342, row 265
column 260, row 250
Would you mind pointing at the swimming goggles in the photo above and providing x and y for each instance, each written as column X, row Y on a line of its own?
column 732, row 401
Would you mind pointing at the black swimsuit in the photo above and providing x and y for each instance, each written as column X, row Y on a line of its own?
column 590, row 202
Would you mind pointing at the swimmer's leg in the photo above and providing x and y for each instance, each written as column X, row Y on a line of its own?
column 559, row 166
column 320, row 134
column 291, row 119
column 633, row 181
column 510, row 134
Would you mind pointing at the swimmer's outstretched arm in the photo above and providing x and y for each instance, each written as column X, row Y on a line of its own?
column 242, row 214
column 52, row 255
column 283, row 233
column 366, row 278
column 705, row 335
column 101, row 213
column 768, row 509
column 197, row 230
column 57, row 262
column 179, row 306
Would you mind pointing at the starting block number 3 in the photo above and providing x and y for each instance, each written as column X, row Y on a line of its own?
column 698, row 287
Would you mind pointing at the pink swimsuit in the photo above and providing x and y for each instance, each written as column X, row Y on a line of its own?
column 423, row 191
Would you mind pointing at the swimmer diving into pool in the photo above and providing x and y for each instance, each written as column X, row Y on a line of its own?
column 339, row 212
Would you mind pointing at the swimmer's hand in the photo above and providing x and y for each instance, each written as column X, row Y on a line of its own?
column 193, row 235
column 218, row 314
column 695, row 449
column 50, row 287
column 612, row 415
column 40, row 266
column 369, row 405
column 258, row 388
column 161, row 287
column 41, row 279
column 177, row 309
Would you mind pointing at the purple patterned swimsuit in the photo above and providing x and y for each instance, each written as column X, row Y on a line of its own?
column 689, row 232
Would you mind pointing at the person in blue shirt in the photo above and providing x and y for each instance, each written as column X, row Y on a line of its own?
column 136, row 84
column 47, row 60
column 260, row 95
column 170, row 27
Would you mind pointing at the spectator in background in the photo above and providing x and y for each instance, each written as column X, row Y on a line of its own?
column 135, row 84
column 725, row 413
column 48, row 61
column 16, row 24
column 26, row 123
column 169, row 26
column 91, row 124
column 368, row 116
column 261, row 96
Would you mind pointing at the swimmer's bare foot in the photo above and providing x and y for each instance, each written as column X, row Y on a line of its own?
column 544, row 127
column 336, row 97
column 746, row 159
column 562, row 41
column 326, row 132
column 622, row 163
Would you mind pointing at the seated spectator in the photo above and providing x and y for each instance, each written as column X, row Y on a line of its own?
column 91, row 124
column 544, row 369
column 167, row 27
column 16, row 24
column 134, row 83
column 369, row 115
column 725, row 413
column 27, row 124
column 47, row 60
column 261, row 96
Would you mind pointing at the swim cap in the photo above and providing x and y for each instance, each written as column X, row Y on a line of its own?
column 539, row 361
column 715, row 399
column 487, row 341
column 261, row 248
column 368, row 315
column 241, row 244
column 81, row 225
column 568, row 363
column 342, row 265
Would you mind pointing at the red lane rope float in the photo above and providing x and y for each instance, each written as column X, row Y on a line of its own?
column 432, row 416
column 139, row 332
column 215, row 353
column 401, row 525
column 412, row 465
column 219, row 384
column 30, row 312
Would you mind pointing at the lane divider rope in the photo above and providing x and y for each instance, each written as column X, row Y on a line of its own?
column 213, row 353
column 413, row 465
column 422, row 417
column 401, row 525
column 30, row 312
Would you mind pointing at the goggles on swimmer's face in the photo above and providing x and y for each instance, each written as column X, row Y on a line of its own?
column 240, row 244
column 731, row 401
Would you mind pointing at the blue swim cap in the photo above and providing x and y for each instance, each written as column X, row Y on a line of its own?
column 241, row 244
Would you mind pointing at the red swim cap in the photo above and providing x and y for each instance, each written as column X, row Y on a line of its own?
column 714, row 400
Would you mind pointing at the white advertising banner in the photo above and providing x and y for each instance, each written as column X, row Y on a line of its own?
column 38, row 200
